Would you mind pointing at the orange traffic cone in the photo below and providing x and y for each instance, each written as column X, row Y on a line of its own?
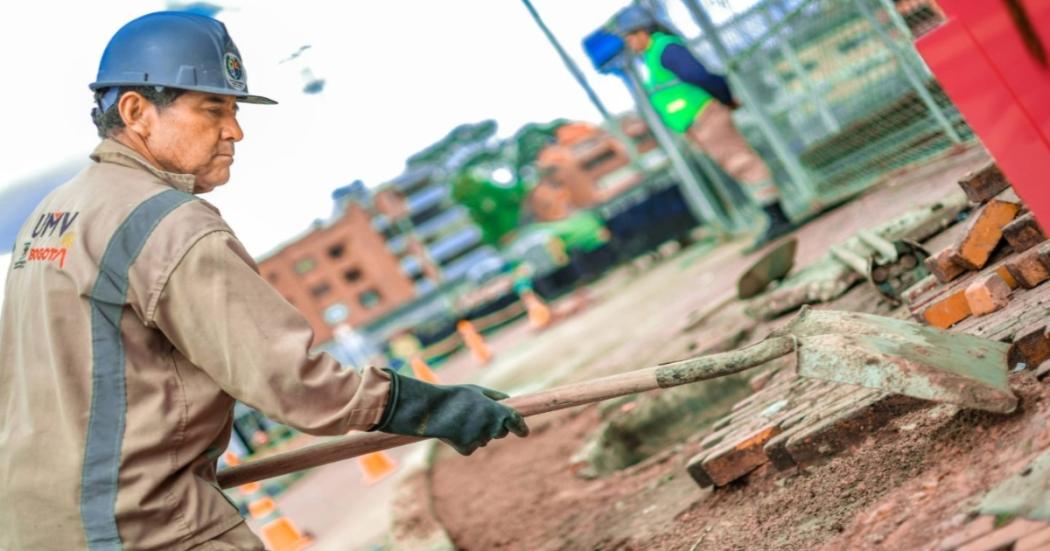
column 376, row 466
column 474, row 341
column 422, row 371
column 538, row 312
column 276, row 530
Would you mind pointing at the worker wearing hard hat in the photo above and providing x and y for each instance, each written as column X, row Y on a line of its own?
column 133, row 319
column 697, row 103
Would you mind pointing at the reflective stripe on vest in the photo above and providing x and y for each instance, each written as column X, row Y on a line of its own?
column 105, row 431
column 677, row 102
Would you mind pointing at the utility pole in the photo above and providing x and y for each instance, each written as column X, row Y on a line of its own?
column 610, row 121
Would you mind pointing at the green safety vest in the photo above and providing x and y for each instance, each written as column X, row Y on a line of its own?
column 675, row 101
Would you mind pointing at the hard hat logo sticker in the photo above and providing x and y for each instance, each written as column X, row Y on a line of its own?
column 234, row 71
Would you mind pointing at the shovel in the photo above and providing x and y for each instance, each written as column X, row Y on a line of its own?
column 771, row 266
column 846, row 347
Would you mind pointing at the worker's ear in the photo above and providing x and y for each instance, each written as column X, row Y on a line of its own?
column 137, row 113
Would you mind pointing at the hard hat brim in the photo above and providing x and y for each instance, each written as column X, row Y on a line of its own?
column 258, row 100
column 241, row 96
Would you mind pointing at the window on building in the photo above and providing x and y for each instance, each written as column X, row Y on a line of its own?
column 850, row 44
column 369, row 298
column 336, row 313
column 321, row 289
column 391, row 231
column 352, row 275
column 598, row 160
column 336, row 250
column 643, row 137
column 272, row 277
column 304, row 266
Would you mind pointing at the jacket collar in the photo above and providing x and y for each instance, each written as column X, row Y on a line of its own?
column 112, row 151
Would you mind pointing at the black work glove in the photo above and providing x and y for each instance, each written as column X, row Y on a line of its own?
column 465, row 417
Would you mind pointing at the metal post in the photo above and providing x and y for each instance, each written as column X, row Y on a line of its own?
column 905, row 30
column 741, row 214
column 786, row 50
column 909, row 72
column 696, row 196
column 896, row 18
column 799, row 176
column 611, row 122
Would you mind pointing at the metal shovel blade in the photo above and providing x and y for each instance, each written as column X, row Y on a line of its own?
column 902, row 357
column 772, row 266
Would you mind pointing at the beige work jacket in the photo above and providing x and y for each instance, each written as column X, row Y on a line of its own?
column 133, row 318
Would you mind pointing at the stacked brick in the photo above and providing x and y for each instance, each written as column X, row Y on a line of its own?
column 789, row 422
column 1001, row 252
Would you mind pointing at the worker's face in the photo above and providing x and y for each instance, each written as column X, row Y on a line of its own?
column 638, row 41
column 193, row 135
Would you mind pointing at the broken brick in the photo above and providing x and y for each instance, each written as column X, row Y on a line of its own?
column 695, row 469
column 1044, row 254
column 943, row 267
column 739, row 457
column 925, row 285
column 1023, row 233
column 984, row 183
column 1004, row 536
column 1042, row 371
column 1028, row 269
column 835, row 433
column 1031, row 346
column 1034, row 541
column 984, row 233
column 817, row 407
column 948, row 311
column 987, row 294
column 978, row 527
column 1009, row 278
column 758, row 382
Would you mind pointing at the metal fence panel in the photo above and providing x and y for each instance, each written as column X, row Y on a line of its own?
column 842, row 85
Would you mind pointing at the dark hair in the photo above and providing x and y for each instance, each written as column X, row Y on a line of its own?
column 109, row 121
column 660, row 28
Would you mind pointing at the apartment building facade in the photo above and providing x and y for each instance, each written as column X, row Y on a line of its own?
column 339, row 272
column 586, row 166
column 433, row 237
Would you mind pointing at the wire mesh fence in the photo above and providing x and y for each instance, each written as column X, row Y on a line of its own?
column 838, row 83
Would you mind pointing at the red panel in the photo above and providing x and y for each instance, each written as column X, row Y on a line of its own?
column 988, row 89
column 994, row 30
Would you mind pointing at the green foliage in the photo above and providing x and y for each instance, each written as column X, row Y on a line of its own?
column 530, row 139
column 496, row 209
column 462, row 135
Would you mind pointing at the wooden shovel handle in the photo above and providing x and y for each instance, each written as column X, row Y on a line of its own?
column 665, row 376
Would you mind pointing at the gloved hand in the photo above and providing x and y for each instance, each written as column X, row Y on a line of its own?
column 465, row 417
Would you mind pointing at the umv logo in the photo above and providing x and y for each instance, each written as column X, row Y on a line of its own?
column 51, row 221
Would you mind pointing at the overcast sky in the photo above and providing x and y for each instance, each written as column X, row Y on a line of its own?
column 399, row 75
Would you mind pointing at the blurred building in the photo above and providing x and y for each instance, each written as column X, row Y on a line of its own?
column 433, row 237
column 380, row 250
column 340, row 271
column 586, row 166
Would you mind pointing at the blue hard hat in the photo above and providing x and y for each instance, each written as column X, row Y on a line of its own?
column 633, row 18
column 174, row 50
column 602, row 47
